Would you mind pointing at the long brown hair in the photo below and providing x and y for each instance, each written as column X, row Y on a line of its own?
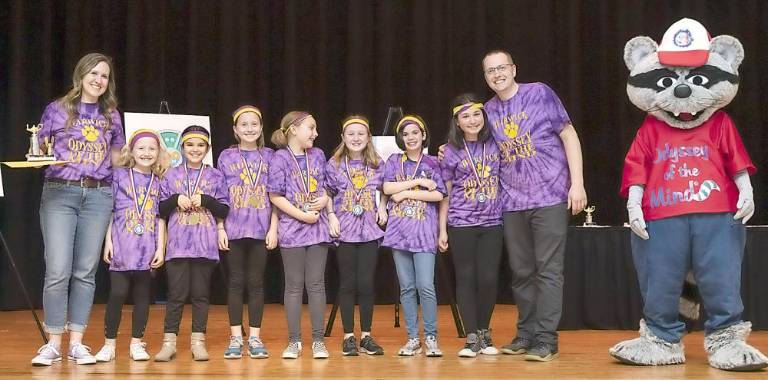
column 370, row 157
column 107, row 101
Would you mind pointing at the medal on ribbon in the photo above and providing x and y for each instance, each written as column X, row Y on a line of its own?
column 138, row 228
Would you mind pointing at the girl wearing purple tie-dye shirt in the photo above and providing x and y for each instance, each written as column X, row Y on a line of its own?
column 297, row 188
column 194, row 201
column 413, row 182
column 135, row 242
column 249, row 230
column 470, row 220
column 354, row 174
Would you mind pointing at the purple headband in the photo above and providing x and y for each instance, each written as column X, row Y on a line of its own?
column 142, row 133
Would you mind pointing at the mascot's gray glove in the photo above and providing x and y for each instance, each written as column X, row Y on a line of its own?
column 746, row 203
column 635, row 211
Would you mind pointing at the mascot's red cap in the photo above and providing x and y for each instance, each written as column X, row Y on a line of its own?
column 685, row 43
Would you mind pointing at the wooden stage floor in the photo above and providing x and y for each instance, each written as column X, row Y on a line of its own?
column 583, row 354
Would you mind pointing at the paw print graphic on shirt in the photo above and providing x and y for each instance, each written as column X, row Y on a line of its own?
column 247, row 179
column 90, row 132
column 510, row 129
column 359, row 181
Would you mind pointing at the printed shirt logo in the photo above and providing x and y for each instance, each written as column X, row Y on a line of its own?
column 682, row 38
column 511, row 128
column 248, row 179
column 90, row 132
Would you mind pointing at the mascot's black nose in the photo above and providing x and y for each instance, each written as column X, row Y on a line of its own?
column 682, row 91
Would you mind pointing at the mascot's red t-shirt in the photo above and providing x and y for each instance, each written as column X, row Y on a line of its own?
column 686, row 171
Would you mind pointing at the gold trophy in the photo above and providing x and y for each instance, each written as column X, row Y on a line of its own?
column 36, row 152
column 589, row 222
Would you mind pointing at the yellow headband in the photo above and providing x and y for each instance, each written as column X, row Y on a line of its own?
column 199, row 135
column 243, row 110
column 355, row 121
column 410, row 120
column 467, row 107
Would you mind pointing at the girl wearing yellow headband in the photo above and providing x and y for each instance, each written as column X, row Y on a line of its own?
column 412, row 181
column 354, row 175
column 470, row 219
column 249, row 230
column 194, row 202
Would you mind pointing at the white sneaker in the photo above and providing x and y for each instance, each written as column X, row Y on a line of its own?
column 319, row 351
column 293, row 351
column 412, row 347
column 487, row 343
column 46, row 355
column 139, row 352
column 106, row 354
column 81, row 354
column 433, row 350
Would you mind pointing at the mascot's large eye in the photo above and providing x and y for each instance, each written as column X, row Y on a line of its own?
column 665, row 82
column 699, row 80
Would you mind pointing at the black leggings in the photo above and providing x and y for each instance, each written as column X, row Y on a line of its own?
column 357, row 270
column 246, row 260
column 188, row 277
column 476, row 253
column 119, row 287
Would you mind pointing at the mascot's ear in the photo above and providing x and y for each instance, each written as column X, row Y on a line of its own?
column 637, row 49
column 729, row 48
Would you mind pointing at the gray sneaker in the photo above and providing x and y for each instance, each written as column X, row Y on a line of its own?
column 81, row 354
column 293, row 351
column 486, row 343
column 542, row 352
column 319, row 351
column 471, row 347
column 433, row 350
column 46, row 355
column 518, row 346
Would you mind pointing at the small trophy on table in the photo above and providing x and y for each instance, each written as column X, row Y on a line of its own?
column 35, row 151
column 589, row 222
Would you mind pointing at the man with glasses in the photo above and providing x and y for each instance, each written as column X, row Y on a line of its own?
column 541, row 178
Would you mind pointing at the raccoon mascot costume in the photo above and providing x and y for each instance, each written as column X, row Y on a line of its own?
column 686, row 178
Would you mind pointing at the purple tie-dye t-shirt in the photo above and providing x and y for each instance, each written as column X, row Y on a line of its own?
column 86, row 144
column 286, row 179
column 360, row 190
column 134, row 251
column 250, row 209
column 464, row 209
column 534, row 168
column 192, row 233
column 412, row 224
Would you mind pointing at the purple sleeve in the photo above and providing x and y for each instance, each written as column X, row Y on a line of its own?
column 438, row 178
column 115, row 186
column 331, row 183
column 390, row 169
column 277, row 174
column 448, row 164
column 321, row 183
column 118, row 134
column 165, row 188
column 221, row 192
column 553, row 107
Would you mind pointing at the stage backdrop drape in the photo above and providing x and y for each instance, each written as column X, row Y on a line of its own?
column 336, row 57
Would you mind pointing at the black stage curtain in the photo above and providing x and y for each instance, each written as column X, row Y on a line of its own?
column 336, row 57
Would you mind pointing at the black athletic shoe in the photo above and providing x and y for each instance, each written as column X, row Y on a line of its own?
column 349, row 347
column 370, row 347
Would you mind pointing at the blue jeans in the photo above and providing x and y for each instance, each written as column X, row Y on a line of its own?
column 416, row 271
column 73, row 221
column 710, row 245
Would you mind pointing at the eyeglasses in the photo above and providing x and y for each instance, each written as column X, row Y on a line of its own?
column 499, row 68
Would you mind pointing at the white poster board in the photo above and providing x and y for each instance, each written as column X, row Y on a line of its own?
column 1, row 183
column 169, row 127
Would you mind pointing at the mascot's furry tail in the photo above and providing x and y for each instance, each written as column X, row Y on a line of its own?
column 690, row 303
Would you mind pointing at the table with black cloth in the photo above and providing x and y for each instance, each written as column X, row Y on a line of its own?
column 600, row 292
